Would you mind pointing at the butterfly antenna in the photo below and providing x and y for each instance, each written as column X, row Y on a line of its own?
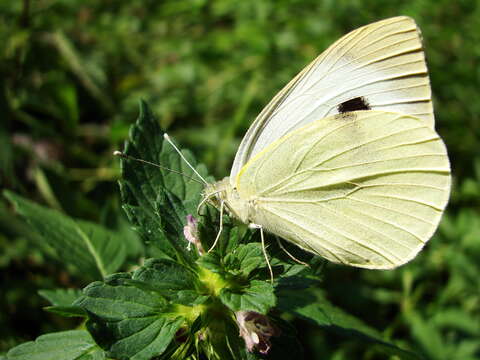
column 128, row 157
column 166, row 137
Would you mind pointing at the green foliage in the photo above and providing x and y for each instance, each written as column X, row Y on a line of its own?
column 150, row 194
column 258, row 297
column 61, row 297
column 62, row 302
column 65, row 345
column 72, row 75
column 91, row 249
column 128, row 321
column 311, row 304
column 244, row 259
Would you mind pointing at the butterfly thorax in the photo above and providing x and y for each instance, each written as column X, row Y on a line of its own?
column 223, row 191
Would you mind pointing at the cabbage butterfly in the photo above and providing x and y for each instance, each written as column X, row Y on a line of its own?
column 344, row 161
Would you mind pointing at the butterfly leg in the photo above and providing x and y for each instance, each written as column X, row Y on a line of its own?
column 220, row 228
column 290, row 255
column 256, row 226
column 204, row 200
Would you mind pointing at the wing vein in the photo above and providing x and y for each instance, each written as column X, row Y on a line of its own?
column 325, row 240
column 330, row 251
column 407, row 199
column 349, row 236
column 393, row 210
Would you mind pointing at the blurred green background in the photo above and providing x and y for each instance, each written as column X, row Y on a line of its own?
column 73, row 72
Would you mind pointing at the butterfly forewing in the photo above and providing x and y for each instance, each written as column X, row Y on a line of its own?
column 365, row 188
column 380, row 66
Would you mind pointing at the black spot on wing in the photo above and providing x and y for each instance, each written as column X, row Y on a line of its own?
column 355, row 104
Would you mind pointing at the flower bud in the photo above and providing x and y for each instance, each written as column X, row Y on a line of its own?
column 190, row 231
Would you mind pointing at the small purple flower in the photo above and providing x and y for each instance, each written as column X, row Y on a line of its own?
column 190, row 231
column 256, row 329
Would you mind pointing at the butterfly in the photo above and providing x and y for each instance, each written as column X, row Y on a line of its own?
column 344, row 161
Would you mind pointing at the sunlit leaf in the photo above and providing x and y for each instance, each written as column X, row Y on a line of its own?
column 89, row 247
column 65, row 345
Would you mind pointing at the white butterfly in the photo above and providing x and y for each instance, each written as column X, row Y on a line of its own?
column 344, row 161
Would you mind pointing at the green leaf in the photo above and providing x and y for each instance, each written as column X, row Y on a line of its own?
column 454, row 318
column 245, row 258
column 172, row 280
column 67, row 311
column 65, row 345
column 109, row 250
column 60, row 297
column 14, row 227
column 128, row 321
column 165, row 275
column 242, row 260
column 295, row 282
column 211, row 261
column 429, row 337
column 313, row 306
column 157, row 201
column 257, row 296
column 92, row 249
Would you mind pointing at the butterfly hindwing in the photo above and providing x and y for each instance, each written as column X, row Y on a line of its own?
column 365, row 188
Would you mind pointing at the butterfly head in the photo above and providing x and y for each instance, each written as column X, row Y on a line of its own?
column 213, row 194
column 223, row 191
